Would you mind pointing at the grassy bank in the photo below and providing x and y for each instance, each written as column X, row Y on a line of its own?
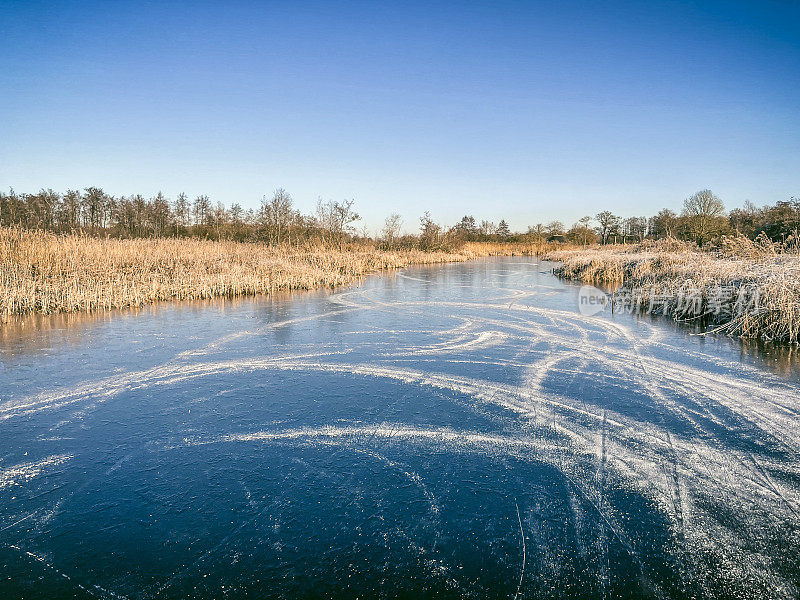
column 740, row 288
column 46, row 273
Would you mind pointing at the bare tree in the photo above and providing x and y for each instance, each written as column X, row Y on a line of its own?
column 537, row 232
column 664, row 224
column 487, row 228
column 337, row 218
column 746, row 220
column 182, row 211
column 703, row 214
column 276, row 215
column 554, row 228
column 344, row 217
column 609, row 225
column 635, row 227
column 94, row 202
column 581, row 232
column 70, row 217
column 159, row 215
column 219, row 219
column 391, row 229
column 202, row 208
column 429, row 232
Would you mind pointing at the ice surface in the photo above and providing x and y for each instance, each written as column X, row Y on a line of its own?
column 677, row 463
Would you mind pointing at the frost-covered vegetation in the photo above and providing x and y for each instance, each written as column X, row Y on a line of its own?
column 740, row 287
column 47, row 273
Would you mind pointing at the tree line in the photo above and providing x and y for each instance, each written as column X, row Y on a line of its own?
column 94, row 211
column 703, row 219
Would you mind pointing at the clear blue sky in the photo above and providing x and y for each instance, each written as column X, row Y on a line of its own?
column 528, row 111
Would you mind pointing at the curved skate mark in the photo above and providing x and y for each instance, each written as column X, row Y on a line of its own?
column 694, row 382
column 453, row 440
column 92, row 591
column 593, row 497
column 524, row 554
column 111, row 386
column 311, row 436
column 402, row 275
column 224, row 340
column 24, row 472
column 510, row 397
column 413, row 477
column 662, row 400
column 22, row 520
column 670, row 466
column 465, row 343
column 444, row 438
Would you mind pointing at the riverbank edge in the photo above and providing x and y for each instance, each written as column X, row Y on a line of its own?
column 753, row 297
column 45, row 274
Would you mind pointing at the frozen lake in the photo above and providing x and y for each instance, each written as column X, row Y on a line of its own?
column 454, row 431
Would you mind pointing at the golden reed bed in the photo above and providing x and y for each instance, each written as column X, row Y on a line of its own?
column 46, row 273
column 742, row 288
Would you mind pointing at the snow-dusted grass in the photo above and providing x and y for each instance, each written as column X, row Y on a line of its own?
column 743, row 288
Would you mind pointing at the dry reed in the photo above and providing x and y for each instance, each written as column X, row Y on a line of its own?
column 743, row 288
column 45, row 273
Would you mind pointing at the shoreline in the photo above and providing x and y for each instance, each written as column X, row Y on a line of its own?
column 749, row 295
column 45, row 274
